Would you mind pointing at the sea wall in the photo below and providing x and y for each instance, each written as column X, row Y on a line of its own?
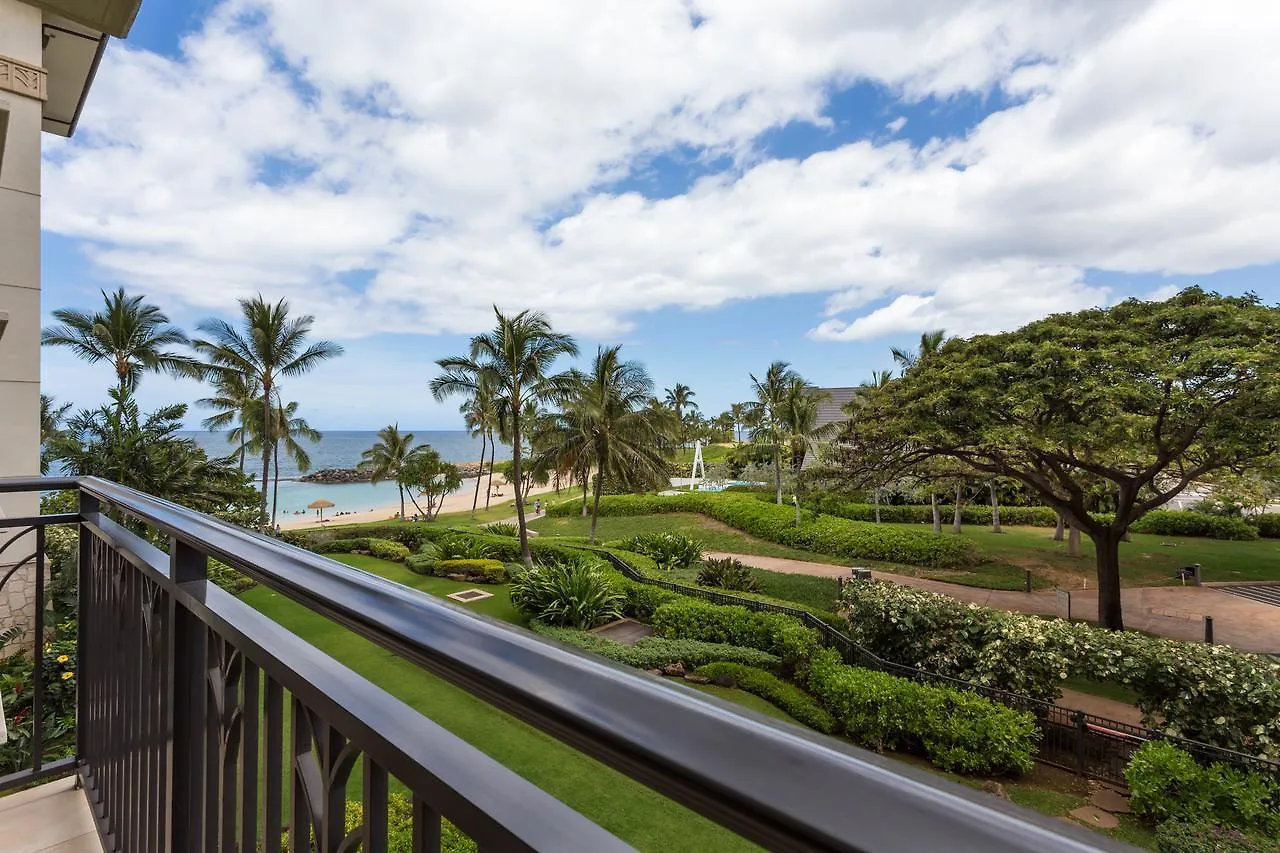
column 356, row 475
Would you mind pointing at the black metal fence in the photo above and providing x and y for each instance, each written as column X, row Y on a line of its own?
column 1089, row 745
column 203, row 725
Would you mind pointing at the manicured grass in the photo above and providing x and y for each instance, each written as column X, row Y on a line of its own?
column 1147, row 560
column 713, row 535
column 1105, row 689
column 498, row 607
column 626, row 808
column 988, row 576
column 745, row 699
column 710, row 453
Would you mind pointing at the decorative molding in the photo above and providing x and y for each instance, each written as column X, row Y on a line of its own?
column 23, row 79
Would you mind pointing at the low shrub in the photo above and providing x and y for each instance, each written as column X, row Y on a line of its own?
column 232, row 580
column 502, row 528
column 656, row 652
column 474, row 571
column 781, row 694
column 341, row 546
column 386, row 549
column 1268, row 524
column 455, row 546
column 421, row 564
column 1208, row 693
column 976, row 515
column 1164, row 522
column 776, row 633
column 823, row 534
column 668, row 550
column 1177, row 836
column 727, row 573
column 957, row 731
column 1166, row 783
column 575, row 594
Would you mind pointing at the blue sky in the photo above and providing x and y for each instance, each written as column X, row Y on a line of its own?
column 815, row 183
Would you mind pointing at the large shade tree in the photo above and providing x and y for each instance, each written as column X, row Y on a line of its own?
column 516, row 360
column 267, row 346
column 1140, row 400
column 607, row 425
column 388, row 456
column 134, row 337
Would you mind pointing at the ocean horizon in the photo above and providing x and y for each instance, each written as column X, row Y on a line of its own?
column 342, row 449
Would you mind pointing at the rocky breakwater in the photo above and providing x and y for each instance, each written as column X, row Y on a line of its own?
column 330, row 476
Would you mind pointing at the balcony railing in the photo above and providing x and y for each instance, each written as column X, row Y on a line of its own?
column 203, row 725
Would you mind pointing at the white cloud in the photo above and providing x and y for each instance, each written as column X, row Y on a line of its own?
column 897, row 124
column 390, row 165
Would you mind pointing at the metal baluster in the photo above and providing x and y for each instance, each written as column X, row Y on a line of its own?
column 186, row 672
column 299, row 821
column 375, row 808
column 273, row 772
column 426, row 828
column 37, row 699
column 251, row 708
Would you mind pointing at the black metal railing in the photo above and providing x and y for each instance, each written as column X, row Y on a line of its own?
column 203, row 725
column 1087, row 744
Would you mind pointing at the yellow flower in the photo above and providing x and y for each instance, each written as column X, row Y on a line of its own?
column 63, row 658
column 67, row 675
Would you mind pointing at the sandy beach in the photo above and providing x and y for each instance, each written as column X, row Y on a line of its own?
column 458, row 502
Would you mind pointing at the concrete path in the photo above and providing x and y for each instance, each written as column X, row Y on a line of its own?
column 1169, row 611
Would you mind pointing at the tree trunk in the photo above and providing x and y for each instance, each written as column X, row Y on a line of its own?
column 267, row 444
column 875, row 496
column 401, row 488
column 1073, row 541
column 777, row 472
column 517, row 472
column 493, row 453
column 1058, row 531
column 1109, row 609
column 957, row 518
column 937, row 516
column 595, row 510
column 243, row 447
column 995, row 508
column 275, row 488
column 424, row 513
column 475, row 501
column 586, row 482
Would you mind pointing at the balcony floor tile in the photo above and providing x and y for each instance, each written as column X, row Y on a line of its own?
column 53, row 818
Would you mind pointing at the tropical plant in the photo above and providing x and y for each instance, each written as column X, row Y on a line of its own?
column 930, row 343
column 503, row 528
column 766, row 415
column 133, row 336
column 51, row 418
column 431, row 477
column 387, row 458
column 515, row 360
column 727, row 573
column 574, row 594
column 288, row 428
column 233, row 400
column 680, row 399
column 668, row 550
column 738, row 412
column 481, row 415
column 607, row 425
column 268, row 345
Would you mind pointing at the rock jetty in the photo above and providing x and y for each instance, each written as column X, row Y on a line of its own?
column 330, row 476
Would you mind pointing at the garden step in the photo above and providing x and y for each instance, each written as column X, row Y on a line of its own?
column 1095, row 818
column 1111, row 800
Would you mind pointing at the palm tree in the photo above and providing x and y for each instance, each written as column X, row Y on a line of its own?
column 765, row 414
column 738, row 411
column 287, row 430
column 515, row 360
column 269, row 345
column 680, row 398
column 481, row 417
column 130, row 334
column 235, row 395
column 607, row 423
column 930, row 343
column 802, row 430
column 51, row 418
column 386, row 459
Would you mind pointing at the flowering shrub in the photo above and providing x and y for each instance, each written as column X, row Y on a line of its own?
column 59, row 669
column 823, row 533
column 1208, row 693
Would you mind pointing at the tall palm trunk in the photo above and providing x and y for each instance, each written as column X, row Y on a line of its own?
column 602, row 453
column 937, row 516
column 777, row 473
column 995, row 508
column 517, row 473
column 957, row 517
column 267, row 444
column 475, row 501
column 493, row 452
column 275, row 487
column 401, row 488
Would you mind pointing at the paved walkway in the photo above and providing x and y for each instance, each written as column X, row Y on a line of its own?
column 1169, row 611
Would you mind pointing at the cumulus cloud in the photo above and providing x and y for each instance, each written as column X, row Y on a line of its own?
column 401, row 165
column 897, row 124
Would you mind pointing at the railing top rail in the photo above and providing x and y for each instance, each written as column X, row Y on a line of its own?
column 779, row 786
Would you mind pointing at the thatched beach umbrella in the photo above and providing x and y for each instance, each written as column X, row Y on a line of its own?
column 321, row 505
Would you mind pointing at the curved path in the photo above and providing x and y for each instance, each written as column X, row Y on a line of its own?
column 1169, row 611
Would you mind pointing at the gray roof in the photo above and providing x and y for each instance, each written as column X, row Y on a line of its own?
column 833, row 408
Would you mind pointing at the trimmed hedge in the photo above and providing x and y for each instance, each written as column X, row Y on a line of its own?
column 479, row 571
column 1268, row 524
column 781, row 694
column 776, row 633
column 977, row 515
column 1166, row 783
column 824, row 534
column 957, row 731
column 386, row 549
column 1209, row 693
column 1163, row 522
column 655, row 652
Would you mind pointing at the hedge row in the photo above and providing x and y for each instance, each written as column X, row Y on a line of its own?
column 769, row 687
column 1209, row 693
column 1164, row 522
column 383, row 549
column 824, row 534
column 655, row 652
column 1268, row 524
column 1166, row 783
column 957, row 731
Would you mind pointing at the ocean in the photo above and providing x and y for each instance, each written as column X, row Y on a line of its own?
column 342, row 449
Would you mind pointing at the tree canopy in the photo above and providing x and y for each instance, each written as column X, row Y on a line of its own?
column 1135, row 402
